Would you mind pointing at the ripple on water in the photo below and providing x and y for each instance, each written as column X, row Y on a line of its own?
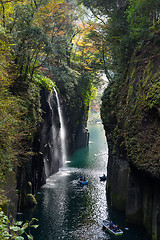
column 66, row 210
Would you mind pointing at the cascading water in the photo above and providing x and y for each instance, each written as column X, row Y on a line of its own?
column 52, row 153
column 52, row 144
column 62, row 129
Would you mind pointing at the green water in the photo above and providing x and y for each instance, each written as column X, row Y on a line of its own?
column 67, row 210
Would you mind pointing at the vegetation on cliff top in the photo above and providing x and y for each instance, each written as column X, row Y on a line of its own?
column 131, row 102
column 50, row 41
column 130, row 108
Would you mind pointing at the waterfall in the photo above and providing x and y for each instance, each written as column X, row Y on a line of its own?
column 62, row 129
column 53, row 141
column 52, row 134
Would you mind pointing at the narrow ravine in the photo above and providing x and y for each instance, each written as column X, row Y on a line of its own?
column 67, row 210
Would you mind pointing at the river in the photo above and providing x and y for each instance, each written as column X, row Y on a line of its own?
column 66, row 210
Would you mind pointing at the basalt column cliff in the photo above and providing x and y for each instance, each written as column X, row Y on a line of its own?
column 131, row 116
column 48, row 146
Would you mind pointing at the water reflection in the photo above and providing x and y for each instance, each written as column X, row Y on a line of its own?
column 66, row 210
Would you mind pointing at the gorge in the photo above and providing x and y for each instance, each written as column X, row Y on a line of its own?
column 53, row 56
column 132, row 125
column 68, row 210
column 49, row 147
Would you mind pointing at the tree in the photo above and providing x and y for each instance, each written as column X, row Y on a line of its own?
column 143, row 17
column 57, row 19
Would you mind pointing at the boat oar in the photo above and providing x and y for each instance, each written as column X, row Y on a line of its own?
column 124, row 228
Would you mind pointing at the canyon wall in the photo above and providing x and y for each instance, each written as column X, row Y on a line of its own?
column 130, row 114
column 47, row 146
column 44, row 162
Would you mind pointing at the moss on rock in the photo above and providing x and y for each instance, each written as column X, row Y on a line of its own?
column 30, row 200
column 4, row 207
column 130, row 111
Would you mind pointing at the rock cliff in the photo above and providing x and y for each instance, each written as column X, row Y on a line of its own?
column 74, row 92
column 32, row 174
column 47, row 158
column 130, row 114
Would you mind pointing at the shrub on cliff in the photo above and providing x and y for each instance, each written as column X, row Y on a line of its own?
column 15, row 230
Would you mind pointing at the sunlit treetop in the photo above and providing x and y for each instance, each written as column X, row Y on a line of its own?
column 89, row 45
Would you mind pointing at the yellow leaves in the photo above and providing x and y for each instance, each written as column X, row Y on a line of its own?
column 85, row 47
column 88, row 68
column 51, row 11
column 53, row 17
column 82, row 43
column 90, row 45
column 6, row 12
column 60, row 1
column 5, row 56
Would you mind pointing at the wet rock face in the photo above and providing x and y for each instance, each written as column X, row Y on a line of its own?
column 143, row 202
column 47, row 146
column 82, row 138
column 131, row 118
column 136, row 194
column 117, row 179
column 47, row 149
column 50, row 145
column 131, row 190
column 77, row 133
column 9, row 204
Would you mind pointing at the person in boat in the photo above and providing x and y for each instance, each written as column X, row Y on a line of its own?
column 103, row 178
column 82, row 179
column 116, row 228
column 111, row 225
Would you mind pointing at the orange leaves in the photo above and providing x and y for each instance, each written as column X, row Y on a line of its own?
column 87, row 45
column 52, row 17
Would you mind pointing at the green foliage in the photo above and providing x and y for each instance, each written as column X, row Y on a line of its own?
column 43, row 82
column 73, row 83
column 19, row 119
column 130, row 111
column 153, row 94
column 121, row 45
column 15, row 231
column 9, row 127
column 106, row 7
column 116, row 37
column 4, row 56
column 36, row 36
column 142, row 15
column 30, row 200
column 4, row 232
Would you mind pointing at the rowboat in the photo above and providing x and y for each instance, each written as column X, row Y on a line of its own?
column 83, row 181
column 103, row 178
column 113, row 231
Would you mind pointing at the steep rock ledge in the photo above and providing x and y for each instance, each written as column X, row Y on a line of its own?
column 130, row 114
column 75, row 121
column 134, row 193
column 47, row 158
column 40, row 158
column 32, row 174
column 75, row 101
